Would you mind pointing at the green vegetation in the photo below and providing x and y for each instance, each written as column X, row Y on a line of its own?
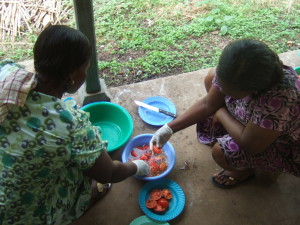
column 141, row 40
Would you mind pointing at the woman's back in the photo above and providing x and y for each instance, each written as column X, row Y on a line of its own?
column 44, row 148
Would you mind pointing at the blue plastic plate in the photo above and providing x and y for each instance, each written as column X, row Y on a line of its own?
column 156, row 118
column 145, row 220
column 176, row 204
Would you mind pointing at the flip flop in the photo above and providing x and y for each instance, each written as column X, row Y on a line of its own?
column 98, row 191
column 101, row 189
column 229, row 186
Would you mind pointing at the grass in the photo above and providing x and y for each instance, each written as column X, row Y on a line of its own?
column 141, row 40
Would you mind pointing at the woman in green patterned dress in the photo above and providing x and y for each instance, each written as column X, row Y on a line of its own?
column 50, row 152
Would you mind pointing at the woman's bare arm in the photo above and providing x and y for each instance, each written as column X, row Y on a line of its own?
column 105, row 170
column 251, row 137
column 202, row 109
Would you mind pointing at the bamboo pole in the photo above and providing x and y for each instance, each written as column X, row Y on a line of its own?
column 18, row 17
column 26, row 19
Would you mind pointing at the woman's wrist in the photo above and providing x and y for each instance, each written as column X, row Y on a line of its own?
column 172, row 127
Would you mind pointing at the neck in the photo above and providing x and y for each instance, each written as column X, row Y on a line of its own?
column 49, row 90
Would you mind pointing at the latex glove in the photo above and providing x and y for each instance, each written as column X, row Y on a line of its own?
column 161, row 136
column 142, row 167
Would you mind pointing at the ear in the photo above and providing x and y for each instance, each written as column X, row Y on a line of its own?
column 72, row 76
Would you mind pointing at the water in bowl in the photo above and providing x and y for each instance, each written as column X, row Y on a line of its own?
column 158, row 163
column 110, row 132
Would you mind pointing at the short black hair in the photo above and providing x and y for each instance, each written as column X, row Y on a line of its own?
column 249, row 65
column 59, row 51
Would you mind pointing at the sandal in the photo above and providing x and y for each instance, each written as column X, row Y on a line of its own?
column 229, row 186
column 98, row 191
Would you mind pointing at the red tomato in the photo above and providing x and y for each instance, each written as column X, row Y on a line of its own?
column 146, row 147
column 163, row 167
column 151, row 204
column 140, row 147
column 156, row 150
column 148, row 155
column 155, row 194
column 159, row 208
column 163, row 202
column 167, row 193
column 143, row 157
column 154, row 167
column 133, row 153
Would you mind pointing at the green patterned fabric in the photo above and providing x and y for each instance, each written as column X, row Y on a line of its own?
column 44, row 148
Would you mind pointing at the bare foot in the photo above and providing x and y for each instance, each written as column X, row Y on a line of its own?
column 228, row 179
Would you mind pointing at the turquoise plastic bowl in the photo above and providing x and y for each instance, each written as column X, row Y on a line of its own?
column 297, row 69
column 145, row 139
column 115, row 122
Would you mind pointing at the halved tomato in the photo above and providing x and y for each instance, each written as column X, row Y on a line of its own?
column 154, row 167
column 133, row 153
column 148, row 155
column 159, row 208
column 163, row 167
column 140, row 147
column 163, row 202
column 151, row 203
column 143, row 157
column 155, row 194
column 156, row 149
column 167, row 193
column 145, row 147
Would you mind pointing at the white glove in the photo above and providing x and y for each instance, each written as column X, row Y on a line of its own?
column 142, row 167
column 161, row 136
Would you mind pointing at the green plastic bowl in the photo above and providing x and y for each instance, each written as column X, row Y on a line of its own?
column 115, row 122
column 297, row 69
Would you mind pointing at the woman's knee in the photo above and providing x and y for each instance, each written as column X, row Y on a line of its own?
column 217, row 153
column 208, row 79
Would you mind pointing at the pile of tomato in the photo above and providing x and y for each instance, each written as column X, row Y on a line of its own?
column 159, row 200
column 156, row 160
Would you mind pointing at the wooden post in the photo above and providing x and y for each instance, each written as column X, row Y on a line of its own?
column 85, row 23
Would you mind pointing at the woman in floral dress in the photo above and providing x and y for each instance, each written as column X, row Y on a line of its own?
column 250, row 115
column 50, row 152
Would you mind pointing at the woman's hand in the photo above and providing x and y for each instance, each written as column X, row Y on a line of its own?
column 142, row 168
column 161, row 136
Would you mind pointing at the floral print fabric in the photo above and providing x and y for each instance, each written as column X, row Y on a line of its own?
column 44, row 148
column 277, row 109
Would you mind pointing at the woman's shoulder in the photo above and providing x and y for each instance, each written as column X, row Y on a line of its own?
column 289, row 80
column 288, row 86
column 47, row 106
column 286, row 92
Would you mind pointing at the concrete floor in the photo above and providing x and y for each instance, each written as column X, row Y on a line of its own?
column 261, row 201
